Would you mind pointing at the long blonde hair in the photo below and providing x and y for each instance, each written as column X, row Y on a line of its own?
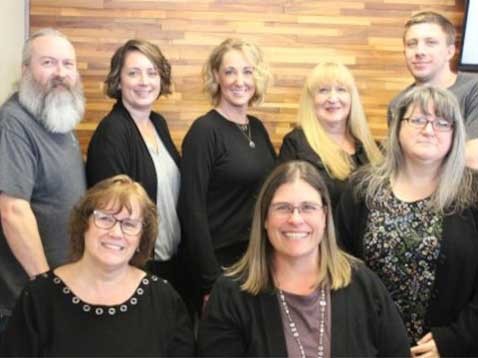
column 337, row 162
column 254, row 269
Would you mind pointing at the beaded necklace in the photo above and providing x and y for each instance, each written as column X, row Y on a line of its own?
column 293, row 327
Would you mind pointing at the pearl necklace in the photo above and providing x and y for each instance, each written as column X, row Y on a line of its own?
column 293, row 328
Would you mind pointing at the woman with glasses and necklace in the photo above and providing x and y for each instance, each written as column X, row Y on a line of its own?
column 226, row 156
column 332, row 131
column 413, row 220
column 103, row 303
column 295, row 293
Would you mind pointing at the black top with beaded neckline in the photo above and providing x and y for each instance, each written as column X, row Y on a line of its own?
column 50, row 320
column 104, row 309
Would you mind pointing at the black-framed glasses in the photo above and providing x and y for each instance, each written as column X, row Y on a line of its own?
column 306, row 208
column 438, row 124
column 106, row 221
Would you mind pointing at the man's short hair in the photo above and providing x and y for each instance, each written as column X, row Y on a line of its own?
column 430, row 17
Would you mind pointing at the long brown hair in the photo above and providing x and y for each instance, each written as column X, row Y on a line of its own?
column 254, row 269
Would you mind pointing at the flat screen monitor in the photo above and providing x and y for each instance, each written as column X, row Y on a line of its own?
column 469, row 45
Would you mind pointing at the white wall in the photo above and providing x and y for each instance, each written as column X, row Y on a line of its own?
column 12, row 36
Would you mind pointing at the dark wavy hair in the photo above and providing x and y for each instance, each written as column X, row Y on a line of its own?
column 152, row 52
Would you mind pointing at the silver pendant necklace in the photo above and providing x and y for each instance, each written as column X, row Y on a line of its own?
column 246, row 131
column 293, row 327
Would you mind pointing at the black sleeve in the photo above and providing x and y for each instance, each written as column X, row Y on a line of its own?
column 21, row 337
column 199, row 154
column 107, row 153
column 460, row 337
column 288, row 150
column 220, row 331
column 346, row 218
column 182, row 343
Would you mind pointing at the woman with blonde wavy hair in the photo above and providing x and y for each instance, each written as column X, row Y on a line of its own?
column 226, row 156
column 413, row 219
column 295, row 293
column 332, row 131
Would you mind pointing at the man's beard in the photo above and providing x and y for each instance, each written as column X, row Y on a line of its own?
column 58, row 105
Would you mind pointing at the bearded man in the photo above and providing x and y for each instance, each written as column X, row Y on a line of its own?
column 41, row 168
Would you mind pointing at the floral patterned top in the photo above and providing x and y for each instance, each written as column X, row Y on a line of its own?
column 402, row 245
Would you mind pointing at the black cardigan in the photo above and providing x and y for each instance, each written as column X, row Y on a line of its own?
column 296, row 147
column 117, row 147
column 365, row 321
column 452, row 314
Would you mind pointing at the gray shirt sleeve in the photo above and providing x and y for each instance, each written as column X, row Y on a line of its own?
column 17, row 165
column 465, row 89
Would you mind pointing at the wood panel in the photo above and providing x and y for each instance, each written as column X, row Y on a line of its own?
column 294, row 34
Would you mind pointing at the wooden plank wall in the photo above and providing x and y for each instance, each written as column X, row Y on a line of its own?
column 294, row 34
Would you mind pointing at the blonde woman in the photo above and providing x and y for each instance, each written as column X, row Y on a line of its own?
column 332, row 131
column 226, row 156
column 413, row 220
column 295, row 293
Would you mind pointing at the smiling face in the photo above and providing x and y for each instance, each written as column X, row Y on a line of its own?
column 111, row 247
column 426, row 144
column 427, row 52
column 235, row 78
column 332, row 104
column 140, row 82
column 296, row 235
column 53, row 62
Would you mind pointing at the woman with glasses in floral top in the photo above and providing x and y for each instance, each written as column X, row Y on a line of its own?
column 103, row 303
column 413, row 220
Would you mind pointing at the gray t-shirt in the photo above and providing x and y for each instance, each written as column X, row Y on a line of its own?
column 45, row 169
column 465, row 89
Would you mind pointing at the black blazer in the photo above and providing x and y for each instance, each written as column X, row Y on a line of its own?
column 117, row 147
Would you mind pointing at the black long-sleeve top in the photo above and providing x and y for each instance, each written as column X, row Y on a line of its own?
column 50, row 320
column 220, row 178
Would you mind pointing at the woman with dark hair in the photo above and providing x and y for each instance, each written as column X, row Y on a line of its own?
column 134, row 140
column 295, row 293
column 226, row 156
column 103, row 303
column 413, row 220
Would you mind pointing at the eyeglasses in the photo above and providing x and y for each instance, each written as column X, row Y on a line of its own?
column 305, row 208
column 438, row 124
column 128, row 226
